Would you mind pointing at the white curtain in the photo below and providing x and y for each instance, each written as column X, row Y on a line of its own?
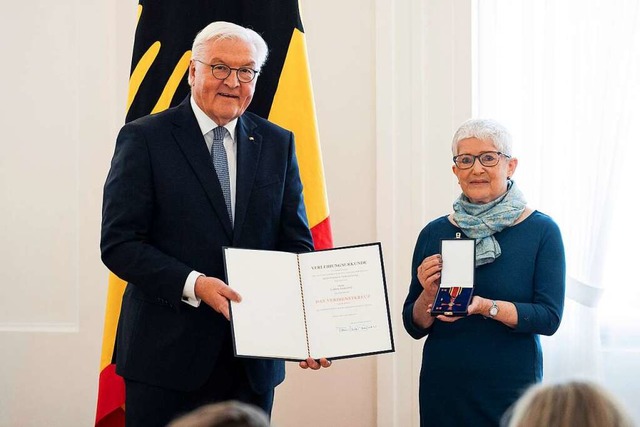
column 564, row 77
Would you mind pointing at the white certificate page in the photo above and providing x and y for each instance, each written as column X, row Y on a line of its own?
column 269, row 321
column 345, row 301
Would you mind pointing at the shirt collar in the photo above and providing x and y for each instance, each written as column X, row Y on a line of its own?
column 206, row 124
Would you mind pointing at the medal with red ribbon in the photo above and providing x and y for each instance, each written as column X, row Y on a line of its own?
column 454, row 293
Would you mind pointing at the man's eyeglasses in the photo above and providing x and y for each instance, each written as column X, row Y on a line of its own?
column 221, row 72
column 488, row 159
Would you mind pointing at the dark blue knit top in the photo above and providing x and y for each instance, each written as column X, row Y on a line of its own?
column 475, row 368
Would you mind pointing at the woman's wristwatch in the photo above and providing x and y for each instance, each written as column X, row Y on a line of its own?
column 493, row 310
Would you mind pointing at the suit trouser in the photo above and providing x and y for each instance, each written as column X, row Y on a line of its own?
column 148, row 406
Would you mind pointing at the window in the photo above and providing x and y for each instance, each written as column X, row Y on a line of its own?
column 564, row 77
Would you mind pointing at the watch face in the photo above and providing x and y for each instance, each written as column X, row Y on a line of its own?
column 493, row 310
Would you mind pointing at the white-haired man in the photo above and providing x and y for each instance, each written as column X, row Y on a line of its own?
column 184, row 183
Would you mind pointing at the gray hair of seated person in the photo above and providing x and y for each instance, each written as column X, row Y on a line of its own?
column 224, row 414
column 567, row 404
column 484, row 130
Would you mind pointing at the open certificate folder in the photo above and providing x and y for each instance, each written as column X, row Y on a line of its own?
column 330, row 303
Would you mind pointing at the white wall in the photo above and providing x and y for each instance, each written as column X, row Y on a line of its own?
column 341, row 50
column 63, row 81
column 64, row 85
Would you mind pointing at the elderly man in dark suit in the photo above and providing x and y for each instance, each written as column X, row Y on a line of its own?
column 184, row 183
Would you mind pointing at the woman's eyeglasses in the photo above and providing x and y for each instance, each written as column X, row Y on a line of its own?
column 488, row 159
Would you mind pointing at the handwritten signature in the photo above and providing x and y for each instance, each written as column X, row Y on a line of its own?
column 355, row 328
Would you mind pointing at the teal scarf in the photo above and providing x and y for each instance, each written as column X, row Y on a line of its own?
column 482, row 221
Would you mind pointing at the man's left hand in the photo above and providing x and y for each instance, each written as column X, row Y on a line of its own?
column 315, row 364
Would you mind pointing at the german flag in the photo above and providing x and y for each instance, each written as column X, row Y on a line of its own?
column 159, row 65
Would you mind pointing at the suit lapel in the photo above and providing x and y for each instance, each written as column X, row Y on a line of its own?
column 249, row 146
column 188, row 136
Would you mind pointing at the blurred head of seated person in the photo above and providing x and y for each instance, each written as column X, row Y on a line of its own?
column 477, row 361
column 568, row 404
column 224, row 414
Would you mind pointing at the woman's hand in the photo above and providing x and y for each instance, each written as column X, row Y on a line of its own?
column 428, row 274
column 478, row 305
column 507, row 312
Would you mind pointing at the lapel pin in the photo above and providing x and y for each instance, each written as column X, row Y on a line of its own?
column 250, row 138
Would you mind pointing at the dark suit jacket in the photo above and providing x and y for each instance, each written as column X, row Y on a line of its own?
column 164, row 215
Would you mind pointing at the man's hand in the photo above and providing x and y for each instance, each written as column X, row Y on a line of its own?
column 216, row 294
column 314, row 364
